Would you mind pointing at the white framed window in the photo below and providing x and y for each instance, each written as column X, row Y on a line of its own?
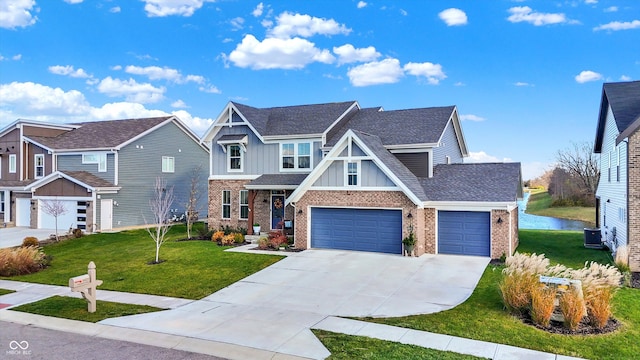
column 96, row 158
column 2, row 201
column 226, row 204
column 618, row 166
column 235, row 157
column 352, row 173
column 12, row 163
column 0, row 168
column 622, row 215
column 295, row 156
column 39, row 165
column 244, row 204
column 609, row 168
column 168, row 164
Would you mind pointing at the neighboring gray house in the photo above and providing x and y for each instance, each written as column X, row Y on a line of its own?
column 618, row 143
column 343, row 177
column 103, row 171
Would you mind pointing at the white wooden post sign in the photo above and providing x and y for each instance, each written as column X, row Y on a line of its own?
column 86, row 285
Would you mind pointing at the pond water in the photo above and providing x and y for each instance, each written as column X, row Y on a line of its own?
column 528, row 221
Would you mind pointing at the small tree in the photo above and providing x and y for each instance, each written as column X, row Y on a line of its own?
column 54, row 208
column 191, row 206
column 581, row 162
column 160, row 205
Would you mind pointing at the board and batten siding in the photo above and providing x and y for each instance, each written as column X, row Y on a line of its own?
column 259, row 159
column 370, row 176
column 612, row 190
column 140, row 162
column 74, row 163
column 448, row 146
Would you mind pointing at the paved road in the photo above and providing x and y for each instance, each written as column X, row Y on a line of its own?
column 25, row 342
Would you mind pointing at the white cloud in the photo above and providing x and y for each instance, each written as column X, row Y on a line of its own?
column 471, row 117
column 122, row 110
column 611, row 9
column 483, row 157
column 179, row 104
column 257, row 12
column 535, row 169
column 588, row 75
column 453, row 17
column 349, row 54
column 16, row 57
column 68, row 70
column 590, row 1
column 73, row 1
column 131, row 90
column 625, row 78
column 522, row 84
column 459, row 83
column 163, row 73
column 275, row 53
column 29, row 98
column 237, row 23
column 198, row 125
column 115, row 9
column 617, row 25
column 361, row 4
column 403, row 12
column 210, row 89
column 290, row 25
column 161, row 8
column 433, row 72
column 526, row 14
column 387, row 71
column 17, row 13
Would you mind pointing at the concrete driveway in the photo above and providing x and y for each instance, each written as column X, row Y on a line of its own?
column 13, row 236
column 275, row 308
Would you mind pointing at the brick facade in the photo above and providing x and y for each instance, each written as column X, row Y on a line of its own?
column 504, row 232
column 633, row 210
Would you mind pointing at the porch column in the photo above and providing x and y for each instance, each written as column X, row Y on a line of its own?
column 7, row 206
column 252, row 197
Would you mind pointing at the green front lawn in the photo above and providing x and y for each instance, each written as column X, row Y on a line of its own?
column 5, row 291
column 483, row 317
column 192, row 269
column 76, row 309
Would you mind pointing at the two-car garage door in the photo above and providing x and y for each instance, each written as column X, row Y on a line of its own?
column 376, row 230
column 464, row 233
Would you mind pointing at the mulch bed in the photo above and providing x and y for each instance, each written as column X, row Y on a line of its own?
column 635, row 280
column 278, row 250
column 584, row 328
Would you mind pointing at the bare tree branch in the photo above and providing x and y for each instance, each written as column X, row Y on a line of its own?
column 160, row 205
column 54, row 208
column 581, row 162
column 191, row 206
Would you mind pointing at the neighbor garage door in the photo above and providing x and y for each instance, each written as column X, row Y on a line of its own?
column 65, row 221
column 464, row 233
column 357, row 229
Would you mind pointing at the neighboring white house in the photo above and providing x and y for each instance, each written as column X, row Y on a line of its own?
column 617, row 196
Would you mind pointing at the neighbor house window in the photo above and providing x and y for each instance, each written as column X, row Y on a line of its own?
column 100, row 159
column 244, row 204
column 12, row 163
column 352, row 173
column 609, row 168
column 168, row 164
column 39, row 165
column 226, row 204
column 295, row 156
column 234, row 157
column 622, row 215
column 618, row 167
column 1, row 201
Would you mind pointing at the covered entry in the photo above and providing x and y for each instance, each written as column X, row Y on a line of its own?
column 464, row 233
column 376, row 230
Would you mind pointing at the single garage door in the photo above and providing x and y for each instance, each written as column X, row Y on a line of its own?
column 374, row 230
column 65, row 221
column 464, row 233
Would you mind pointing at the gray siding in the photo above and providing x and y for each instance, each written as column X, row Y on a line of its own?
column 333, row 176
column 141, row 162
column 449, row 146
column 74, row 163
column 370, row 175
column 418, row 163
column 259, row 159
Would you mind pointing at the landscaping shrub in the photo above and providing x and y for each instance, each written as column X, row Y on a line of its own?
column 22, row 260
column 572, row 308
column 263, row 243
column 238, row 238
column 277, row 239
column 622, row 258
column 228, row 240
column 230, row 230
column 77, row 233
column 30, row 241
column 599, row 306
column 542, row 304
column 217, row 236
column 520, row 278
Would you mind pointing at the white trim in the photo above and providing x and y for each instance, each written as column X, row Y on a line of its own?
column 0, row 167
column 35, row 166
column 227, row 115
column 229, row 169
column 223, row 204
column 116, row 168
column 61, row 198
column 233, row 177
column 240, row 204
column 410, row 148
column 296, row 155
column 355, row 104
column 15, row 163
column 358, row 173
column 170, row 160
column 470, row 205
column 270, row 187
column 355, row 188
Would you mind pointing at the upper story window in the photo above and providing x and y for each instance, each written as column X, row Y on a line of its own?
column 39, row 165
column 168, row 164
column 295, row 156
column 235, row 157
column 96, row 158
column 12, row 163
column 352, row 172
column 609, row 168
column 618, row 166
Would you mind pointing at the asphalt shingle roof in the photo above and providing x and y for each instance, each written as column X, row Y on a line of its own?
column 294, row 120
column 100, row 134
column 396, row 127
column 278, row 179
column 624, row 99
column 89, row 179
column 485, row 182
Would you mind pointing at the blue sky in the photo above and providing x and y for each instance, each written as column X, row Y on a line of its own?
column 526, row 75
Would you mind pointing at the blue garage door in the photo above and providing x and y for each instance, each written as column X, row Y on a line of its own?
column 357, row 229
column 464, row 233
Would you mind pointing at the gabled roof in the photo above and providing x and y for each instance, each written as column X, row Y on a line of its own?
column 42, row 124
column 624, row 100
column 477, row 182
column 100, row 134
column 82, row 178
column 399, row 127
column 276, row 182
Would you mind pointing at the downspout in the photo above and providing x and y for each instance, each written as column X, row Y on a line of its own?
column 510, row 234
column 627, row 190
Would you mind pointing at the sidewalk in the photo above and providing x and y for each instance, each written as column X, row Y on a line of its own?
column 183, row 338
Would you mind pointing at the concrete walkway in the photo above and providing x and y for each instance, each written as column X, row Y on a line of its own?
column 13, row 236
column 264, row 316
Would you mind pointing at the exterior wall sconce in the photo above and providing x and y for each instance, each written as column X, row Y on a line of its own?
column 499, row 220
column 299, row 211
column 265, row 200
column 409, row 215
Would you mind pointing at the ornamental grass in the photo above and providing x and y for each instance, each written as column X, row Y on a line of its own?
column 542, row 304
